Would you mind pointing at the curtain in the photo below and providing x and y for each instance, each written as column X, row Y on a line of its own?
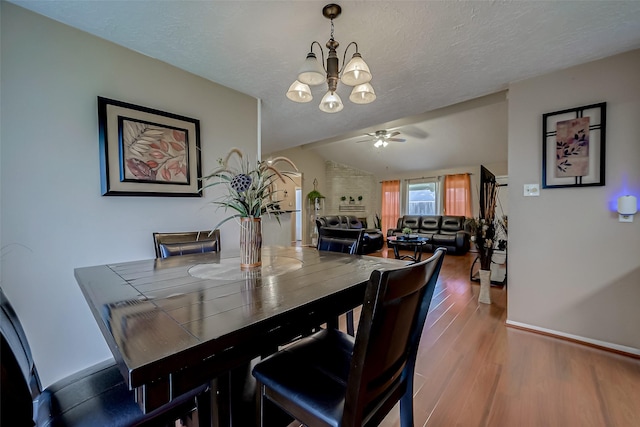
column 390, row 204
column 457, row 195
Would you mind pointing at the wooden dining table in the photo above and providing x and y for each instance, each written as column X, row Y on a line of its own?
column 174, row 324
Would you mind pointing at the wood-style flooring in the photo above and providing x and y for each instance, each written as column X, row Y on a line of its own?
column 472, row 370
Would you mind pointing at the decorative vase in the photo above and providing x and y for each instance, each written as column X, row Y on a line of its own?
column 485, row 287
column 250, row 242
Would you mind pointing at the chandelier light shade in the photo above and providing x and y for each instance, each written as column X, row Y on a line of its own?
column 311, row 72
column 355, row 73
column 299, row 92
column 362, row 94
column 331, row 103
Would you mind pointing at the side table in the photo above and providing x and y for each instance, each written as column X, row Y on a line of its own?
column 400, row 242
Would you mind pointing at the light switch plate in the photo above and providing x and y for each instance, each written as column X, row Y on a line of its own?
column 531, row 190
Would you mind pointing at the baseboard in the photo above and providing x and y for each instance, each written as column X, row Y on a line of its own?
column 620, row 349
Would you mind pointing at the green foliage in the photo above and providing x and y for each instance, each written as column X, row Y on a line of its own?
column 315, row 194
column 249, row 186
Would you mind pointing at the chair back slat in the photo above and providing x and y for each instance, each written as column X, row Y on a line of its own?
column 339, row 240
column 184, row 243
column 393, row 315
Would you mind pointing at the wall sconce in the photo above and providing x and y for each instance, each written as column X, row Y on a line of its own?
column 627, row 208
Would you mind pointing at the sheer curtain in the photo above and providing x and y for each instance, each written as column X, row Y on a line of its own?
column 457, row 195
column 390, row 204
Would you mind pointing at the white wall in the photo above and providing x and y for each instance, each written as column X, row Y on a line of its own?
column 312, row 167
column 573, row 268
column 343, row 180
column 53, row 217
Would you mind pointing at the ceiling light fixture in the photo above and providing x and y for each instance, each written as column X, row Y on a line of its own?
column 355, row 73
column 380, row 143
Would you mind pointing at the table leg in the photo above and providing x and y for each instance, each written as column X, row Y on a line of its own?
column 220, row 401
column 233, row 397
column 417, row 253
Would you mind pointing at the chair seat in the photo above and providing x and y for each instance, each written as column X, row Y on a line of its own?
column 98, row 396
column 313, row 371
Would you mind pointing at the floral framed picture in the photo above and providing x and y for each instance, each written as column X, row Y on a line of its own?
column 147, row 152
column 573, row 147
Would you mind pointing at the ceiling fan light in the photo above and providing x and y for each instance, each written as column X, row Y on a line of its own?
column 311, row 72
column 299, row 92
column 356, row 72
column 331, row 103
column 378, row 143
column 362, row 94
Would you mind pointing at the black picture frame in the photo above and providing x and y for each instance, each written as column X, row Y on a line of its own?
column 147, row 152
column 564, row 162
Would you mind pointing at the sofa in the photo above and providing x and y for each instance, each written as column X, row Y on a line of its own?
column 372, row 238
column 443, row 231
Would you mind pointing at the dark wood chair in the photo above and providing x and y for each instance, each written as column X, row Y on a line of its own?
column 333, row 379
column 342, row 240
column 184, row 243
column 95, row 396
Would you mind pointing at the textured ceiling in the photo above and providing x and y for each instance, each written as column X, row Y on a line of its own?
column 423, row 55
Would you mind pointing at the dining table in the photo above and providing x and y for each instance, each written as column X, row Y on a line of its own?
column 177, row 323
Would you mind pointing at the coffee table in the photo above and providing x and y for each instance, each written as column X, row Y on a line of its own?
column 412, row 242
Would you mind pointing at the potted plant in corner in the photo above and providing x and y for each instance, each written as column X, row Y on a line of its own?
column 483, row 234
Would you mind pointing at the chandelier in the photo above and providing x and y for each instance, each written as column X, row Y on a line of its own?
column 355, row 73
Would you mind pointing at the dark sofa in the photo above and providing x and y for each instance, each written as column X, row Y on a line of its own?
column 372, row 238
column 443, row 231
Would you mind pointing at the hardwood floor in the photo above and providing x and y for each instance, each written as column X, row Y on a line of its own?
column 472, row 370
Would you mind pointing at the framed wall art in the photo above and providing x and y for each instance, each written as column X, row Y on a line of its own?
column 147, row 152
column 573, row 147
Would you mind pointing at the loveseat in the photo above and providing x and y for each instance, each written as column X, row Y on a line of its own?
column 443, row 231
column 372, row 238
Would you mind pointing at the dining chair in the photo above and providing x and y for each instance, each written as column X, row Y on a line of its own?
column 342, row 240
column 333, row 379
column 184, row 243
column 95, row 396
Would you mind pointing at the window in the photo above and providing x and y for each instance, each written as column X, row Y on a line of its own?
column 422, row 198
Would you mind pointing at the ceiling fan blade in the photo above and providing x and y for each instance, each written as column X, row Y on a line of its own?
column 363, row 140
column 392, row 134
column 396, row 139
column 414, row 131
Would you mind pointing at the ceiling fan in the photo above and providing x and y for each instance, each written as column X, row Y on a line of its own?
column 383, row 137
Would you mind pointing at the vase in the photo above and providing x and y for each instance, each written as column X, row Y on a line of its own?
column 485, row 287
column 250, row 242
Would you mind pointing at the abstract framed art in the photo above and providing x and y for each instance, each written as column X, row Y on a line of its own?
column 573, row 147
column 147, row 152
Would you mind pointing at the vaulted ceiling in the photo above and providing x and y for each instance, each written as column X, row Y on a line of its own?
column 424, row 55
